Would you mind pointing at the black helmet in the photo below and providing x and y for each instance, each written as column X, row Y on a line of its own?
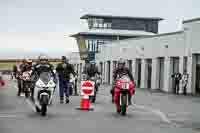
column 87, row 60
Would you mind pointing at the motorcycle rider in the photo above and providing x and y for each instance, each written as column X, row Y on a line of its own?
column 27, row 67
column 41, row 66
column 91, row 69
column 64, row 70
column 19, row 80
column 121, row 70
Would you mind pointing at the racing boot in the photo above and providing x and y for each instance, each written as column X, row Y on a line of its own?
column 112, row 93
column 61, row 100
column 67, row 100
column 129, row 100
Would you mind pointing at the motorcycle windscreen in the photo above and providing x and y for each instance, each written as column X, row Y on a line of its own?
column 125, row 78
column 45, row 77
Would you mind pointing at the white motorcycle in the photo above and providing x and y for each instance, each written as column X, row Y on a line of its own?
column 44, row 89
column 71, row 84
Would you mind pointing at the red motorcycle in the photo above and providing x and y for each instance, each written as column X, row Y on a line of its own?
column 2, row 82
column 26, row 77
column 124, row 87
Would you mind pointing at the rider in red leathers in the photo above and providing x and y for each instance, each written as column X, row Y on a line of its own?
column 121, row 70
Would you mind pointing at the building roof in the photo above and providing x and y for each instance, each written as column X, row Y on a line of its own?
column 119, row 17
column 191, row 20
column 111, row 32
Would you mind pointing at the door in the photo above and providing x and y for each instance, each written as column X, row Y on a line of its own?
column 161, row 73
column 109, row 72
column 138, row 63
column 149, row 71
column 175, row 69
column 197, row 74
column 130, row 65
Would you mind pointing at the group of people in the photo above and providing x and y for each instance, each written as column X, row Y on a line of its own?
column 180, row 79
column 63, row 71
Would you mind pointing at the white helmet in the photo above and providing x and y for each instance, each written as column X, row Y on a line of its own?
column 43, row 58
column 121, row 61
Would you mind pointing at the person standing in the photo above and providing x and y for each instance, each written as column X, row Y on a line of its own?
column 64, row 70
column 177, row 77
column 185, row 82
column 14, row 71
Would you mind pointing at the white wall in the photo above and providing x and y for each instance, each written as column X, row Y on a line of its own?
column 193, row 35
column 153, row 47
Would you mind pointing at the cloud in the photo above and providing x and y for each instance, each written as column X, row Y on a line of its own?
column 25, row 44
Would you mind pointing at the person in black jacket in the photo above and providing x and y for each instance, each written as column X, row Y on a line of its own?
column 90, row 69
column 177, row 77
column 14, row 72
column 64, row 70
column 18, row 76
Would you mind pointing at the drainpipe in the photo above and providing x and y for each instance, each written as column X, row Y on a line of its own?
column 117, row 38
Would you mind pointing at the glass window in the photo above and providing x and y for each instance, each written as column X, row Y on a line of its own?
column 90, row 45
column 100, row 25
column 97, row 47
column 95, row 25
column 109, row 25
column 185, row 63
column 105, row 25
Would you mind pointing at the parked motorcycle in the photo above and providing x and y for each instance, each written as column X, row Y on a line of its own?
column 123, row 86
column 44, row 89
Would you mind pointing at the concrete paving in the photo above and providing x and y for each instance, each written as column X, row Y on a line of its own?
column 151, row 112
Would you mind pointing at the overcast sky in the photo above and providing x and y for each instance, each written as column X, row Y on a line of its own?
column 64, row 16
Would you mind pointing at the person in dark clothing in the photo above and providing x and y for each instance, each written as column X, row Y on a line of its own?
column 75, row 84
column 18, row 76
column 27, row 67
column 14, row 71
column 177, row 77
column 90, row 69
column 41, row 66
column 64, row 70
column 118, row 72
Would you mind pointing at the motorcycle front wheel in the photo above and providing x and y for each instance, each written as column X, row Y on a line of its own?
column 43, row 110
column 44, row 102
column 124, row 105
column 26, row 91
column 93, row 98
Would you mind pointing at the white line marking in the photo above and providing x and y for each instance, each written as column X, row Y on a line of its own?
column 31, row 105
column 8, row 116
column 155, row 111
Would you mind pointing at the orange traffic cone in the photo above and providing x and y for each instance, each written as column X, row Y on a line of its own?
column 85, row 104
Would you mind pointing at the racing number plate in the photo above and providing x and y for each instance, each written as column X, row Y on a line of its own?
column 125, row 85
